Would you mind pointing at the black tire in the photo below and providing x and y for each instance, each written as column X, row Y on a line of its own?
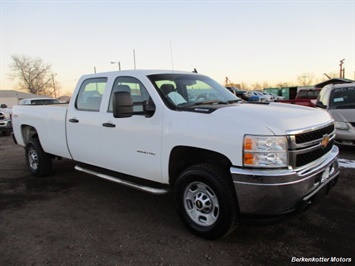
column 206, row 201
column 39, row 163
column 6, row 133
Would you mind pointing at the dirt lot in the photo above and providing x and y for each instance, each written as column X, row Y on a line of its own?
column 71, row 218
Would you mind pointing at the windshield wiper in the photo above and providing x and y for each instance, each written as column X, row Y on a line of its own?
column 234, row 101
column 211, row 102
column 208, row 102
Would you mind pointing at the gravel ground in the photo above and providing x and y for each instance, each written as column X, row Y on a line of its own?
column 71, row 218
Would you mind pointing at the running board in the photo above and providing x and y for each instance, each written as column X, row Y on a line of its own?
column 144, row 188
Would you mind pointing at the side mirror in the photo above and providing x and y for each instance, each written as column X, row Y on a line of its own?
column 321, row 105
column 122, row 104
column 149, row 108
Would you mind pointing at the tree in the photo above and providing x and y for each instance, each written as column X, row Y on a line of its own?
column 33, row 75
column 306, row 79
column 282, row 84
column 256, row 86
column 244, row 86
column 265, row 85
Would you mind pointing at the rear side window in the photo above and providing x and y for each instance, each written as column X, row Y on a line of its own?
column 90, row 94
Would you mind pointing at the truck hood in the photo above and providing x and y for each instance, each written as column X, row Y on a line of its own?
column 277, row 117
column 343, row 115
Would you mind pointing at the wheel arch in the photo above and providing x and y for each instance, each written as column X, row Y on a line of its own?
column 182, row 157
column 28, row 132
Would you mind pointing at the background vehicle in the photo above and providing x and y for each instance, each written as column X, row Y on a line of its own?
column 277, row 97
column 39, row 101
column 270, row 97
column 5, row 120
column 257, row 96
column 339, row 101
column 237, row 92
column 223, row 159
column 304, row 97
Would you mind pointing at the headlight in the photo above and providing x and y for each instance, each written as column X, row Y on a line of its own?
column 7, row 116
column 341, row 125
column 262, row 151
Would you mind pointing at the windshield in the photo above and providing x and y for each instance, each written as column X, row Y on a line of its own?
column 182, row 90
column 308, row 94
column 342, row 98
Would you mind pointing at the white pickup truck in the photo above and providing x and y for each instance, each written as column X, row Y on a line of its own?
column 223, row 159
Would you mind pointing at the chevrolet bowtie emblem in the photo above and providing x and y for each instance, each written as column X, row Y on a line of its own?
column 325, row 141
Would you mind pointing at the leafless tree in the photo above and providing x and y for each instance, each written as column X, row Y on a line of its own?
column 244, row 86
column 33, row 75
column 281, row 84
column 306, row 79
column 256, row 86
column 265, row 84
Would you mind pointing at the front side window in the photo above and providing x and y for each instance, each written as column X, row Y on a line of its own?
column 90, row 94
column 138, row 92
column 183, row 90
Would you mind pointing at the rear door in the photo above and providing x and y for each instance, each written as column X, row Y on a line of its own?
column 83, row 121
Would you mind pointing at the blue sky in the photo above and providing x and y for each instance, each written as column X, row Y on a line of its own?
column 247, row 41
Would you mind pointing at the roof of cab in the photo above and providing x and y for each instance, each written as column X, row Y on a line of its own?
column 135, row 72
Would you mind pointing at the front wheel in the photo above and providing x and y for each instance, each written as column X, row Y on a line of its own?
column 6, row 133
column 206, row 201
column 39, row 163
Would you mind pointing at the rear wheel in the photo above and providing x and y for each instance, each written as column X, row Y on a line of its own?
column 205, row 201
column 39, row 163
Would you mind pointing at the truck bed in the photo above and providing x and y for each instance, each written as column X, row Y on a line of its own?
column 49, row 121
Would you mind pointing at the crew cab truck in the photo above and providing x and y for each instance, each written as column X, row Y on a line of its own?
column 223, row 159
column 5, row 120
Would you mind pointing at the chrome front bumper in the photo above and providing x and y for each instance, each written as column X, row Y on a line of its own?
column 345, row 137
column 5, row 125
column 272, row 192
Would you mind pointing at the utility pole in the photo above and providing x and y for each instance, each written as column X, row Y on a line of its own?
column 342, row 70
column 118, row 64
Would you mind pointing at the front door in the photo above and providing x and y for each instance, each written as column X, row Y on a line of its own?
column 132, row 145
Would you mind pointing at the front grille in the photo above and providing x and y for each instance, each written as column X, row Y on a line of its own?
column 308, row 157
column 307, row 145
column 314, row 135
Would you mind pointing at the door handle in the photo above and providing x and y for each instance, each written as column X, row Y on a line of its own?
column 108, row 125
column 73, row 120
